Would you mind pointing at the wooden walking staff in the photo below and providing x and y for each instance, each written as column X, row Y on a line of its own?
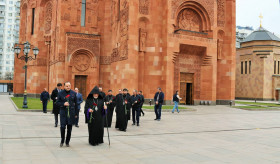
column 107, row 123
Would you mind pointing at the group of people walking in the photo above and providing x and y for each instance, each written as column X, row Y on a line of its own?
column 98, row 110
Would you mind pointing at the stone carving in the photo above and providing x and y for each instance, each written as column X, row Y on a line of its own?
column 123, row 51
column 48, row 17
column 105, row 60
column 142, row 40
column 83, row 41
column 81, row 62
column 221, row 13
column 189, row 20
column 208, row 5
column 144, row 7
column 115, row 55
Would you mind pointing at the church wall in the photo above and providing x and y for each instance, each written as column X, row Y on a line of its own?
column 133, row 44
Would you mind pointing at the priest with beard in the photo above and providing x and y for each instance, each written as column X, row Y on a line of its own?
column 110, row 103
column 94, row 110
column 123, row 105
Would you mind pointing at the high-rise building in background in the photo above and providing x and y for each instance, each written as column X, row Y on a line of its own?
column 9, row 34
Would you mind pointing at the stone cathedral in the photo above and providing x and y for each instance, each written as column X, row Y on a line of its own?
column 184, row 45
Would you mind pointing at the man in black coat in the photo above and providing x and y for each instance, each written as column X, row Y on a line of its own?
column 67, row 101
column 158, row 98
column 117, row 97
column 45, row 97
column 136, row 101
column 142, row 102
column 110, row 102
column 102, row 94
column 55, row 106
column 123, row 106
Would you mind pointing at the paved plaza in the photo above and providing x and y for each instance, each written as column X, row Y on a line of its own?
column 211, row 134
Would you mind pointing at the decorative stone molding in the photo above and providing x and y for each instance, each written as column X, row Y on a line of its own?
column 144, row 7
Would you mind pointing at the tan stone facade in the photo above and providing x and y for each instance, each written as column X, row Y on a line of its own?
column 261, row 79
column 138, row 44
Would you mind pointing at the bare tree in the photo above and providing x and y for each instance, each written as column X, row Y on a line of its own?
column 9, row 76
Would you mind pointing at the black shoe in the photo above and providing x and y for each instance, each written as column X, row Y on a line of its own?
column 143, row 114
column 77, row 126
column 138, row 124
column 155, row 119
column 61, row 144
column 55, row 125
column 133, row 124
column 67, row 145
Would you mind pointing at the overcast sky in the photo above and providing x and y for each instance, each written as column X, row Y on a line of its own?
column 248, row 12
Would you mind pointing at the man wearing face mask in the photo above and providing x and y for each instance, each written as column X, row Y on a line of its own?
column 94, row 109
column 67, row 101
column 123, row 106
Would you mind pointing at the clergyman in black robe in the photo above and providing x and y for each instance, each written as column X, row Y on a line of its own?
column 110, row 103
column 123, row 109
column 94, row 110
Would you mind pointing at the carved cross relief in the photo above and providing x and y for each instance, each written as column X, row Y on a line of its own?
column 189, row 20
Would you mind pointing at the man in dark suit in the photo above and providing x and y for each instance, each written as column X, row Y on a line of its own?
column 67, row 101
column 45, row 97
column 136, row 103
column 159, row 97
column 55, row 106
column 79, row 102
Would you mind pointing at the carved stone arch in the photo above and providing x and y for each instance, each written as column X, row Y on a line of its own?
column 143, row 32
column 198, row 13
column 83, row 59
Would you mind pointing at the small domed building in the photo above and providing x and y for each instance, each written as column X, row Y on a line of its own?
column 258, row 66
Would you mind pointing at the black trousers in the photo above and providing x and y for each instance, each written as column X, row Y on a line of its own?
column 77, row 119
column 62, row 133
column 45, row 103
column 135, row 112
column 141, row 110
column 55, row 119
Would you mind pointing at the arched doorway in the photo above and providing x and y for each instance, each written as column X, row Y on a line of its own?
column 84, row 70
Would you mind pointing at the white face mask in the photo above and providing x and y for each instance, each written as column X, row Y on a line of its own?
column 95, row 97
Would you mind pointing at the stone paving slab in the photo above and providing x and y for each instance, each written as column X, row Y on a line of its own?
column 210, row 134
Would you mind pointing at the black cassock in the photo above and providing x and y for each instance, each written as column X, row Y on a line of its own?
column 123, row 111
column 110, row 99
column 95, row 121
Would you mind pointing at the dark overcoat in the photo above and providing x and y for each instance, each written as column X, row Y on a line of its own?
column 73, row 107
column 54, row 99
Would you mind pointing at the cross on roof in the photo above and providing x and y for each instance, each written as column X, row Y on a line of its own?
column 261, row 17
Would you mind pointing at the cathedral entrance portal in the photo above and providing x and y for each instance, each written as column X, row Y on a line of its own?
column 186, row 88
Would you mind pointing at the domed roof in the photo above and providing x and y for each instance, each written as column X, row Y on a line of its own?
column 261, row 35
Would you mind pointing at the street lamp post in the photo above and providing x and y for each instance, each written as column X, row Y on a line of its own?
column 26, row 58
